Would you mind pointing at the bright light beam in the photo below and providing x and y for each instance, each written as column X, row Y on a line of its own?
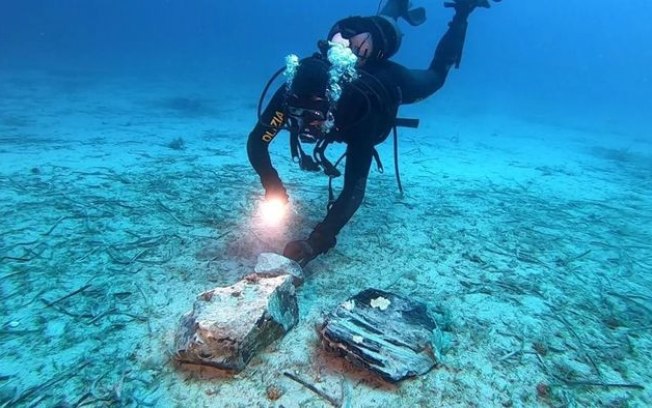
column 273, row 211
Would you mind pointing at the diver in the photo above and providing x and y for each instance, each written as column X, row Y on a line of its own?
column 349, row 92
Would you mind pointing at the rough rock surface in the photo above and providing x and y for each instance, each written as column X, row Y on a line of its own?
column 229, row 325
column 385, row 333
column 270, row 264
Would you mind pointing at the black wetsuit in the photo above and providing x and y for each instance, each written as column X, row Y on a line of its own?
column 370, row 117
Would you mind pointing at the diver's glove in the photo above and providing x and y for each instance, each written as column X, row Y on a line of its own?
column 276, row 191
column 304, row 251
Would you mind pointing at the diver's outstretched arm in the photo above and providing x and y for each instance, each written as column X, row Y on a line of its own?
column 271, row 121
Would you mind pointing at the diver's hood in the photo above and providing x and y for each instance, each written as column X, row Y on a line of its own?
column 311, row 79
column 384, row 32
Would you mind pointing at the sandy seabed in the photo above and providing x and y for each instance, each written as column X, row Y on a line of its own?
column 123, row 200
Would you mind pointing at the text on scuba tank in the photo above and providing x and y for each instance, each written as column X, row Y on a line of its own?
column 276, row 122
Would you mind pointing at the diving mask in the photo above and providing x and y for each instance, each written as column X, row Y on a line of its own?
column 309, row 122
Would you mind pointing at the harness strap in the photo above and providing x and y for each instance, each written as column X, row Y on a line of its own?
column 295, row 149
column 298, row 155
column 396, row 170
column 331, row 196
column 413, row 123
column 329, row 169
column 379, row 164
column 404, row 122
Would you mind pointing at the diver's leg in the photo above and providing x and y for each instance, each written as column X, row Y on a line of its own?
column 449, row 49
column 419, row 84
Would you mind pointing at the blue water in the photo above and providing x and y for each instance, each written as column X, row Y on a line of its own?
column 560, row 57
column 125, row 191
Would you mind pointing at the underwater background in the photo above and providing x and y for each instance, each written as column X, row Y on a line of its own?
column 125, row 191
